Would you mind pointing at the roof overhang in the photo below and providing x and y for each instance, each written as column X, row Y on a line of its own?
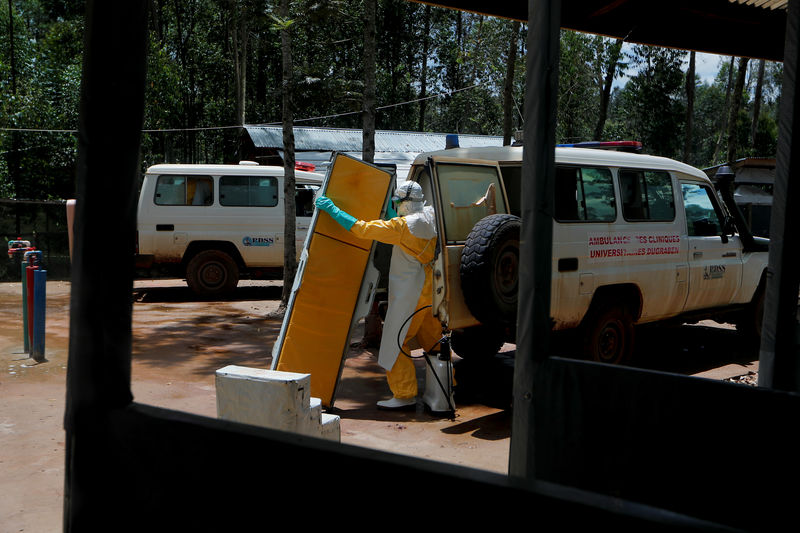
column 748, row 28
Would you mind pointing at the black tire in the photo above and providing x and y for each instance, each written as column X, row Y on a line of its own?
column 608, row 335
column 477, row 342
column 749, row 324
column 212, row 273
column 490, row 270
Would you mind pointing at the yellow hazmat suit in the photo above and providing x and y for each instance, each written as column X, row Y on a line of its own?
column 413, row 237
column 400, row 371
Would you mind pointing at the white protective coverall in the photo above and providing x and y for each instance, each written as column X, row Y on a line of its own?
column 410, row 282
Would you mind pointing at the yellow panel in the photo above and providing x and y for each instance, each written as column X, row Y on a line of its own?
column 317, row 326
column 357, row 189
column 316, row 338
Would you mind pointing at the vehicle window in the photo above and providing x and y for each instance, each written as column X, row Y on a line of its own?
column 184, row 190
column 424, row 180
column 702, row 218
column 584, row 194
column 512, row 180
column 304, row 200
column 469, row 193
column 248, row 191
column 646, row 195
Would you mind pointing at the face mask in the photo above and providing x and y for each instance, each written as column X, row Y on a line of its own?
column 408, row 207
column 403, row 208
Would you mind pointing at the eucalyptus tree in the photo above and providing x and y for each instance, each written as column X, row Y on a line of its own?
column 609, row 61
column 284, row 24
column 733, row 117
column 691, row 83
column 651, row 105
column 368, row 109
column 39, row 98
column 577, row 112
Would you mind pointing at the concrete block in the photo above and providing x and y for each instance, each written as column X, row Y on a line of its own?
column 331, row 428
column 310, row 421
column 267, row 398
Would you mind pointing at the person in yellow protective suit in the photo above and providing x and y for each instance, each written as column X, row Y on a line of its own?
column 413, row 235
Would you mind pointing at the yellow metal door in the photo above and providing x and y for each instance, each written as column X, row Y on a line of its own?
column 325, row 297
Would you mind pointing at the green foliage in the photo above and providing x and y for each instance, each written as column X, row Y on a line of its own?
column 578, row 93
column 193, row 100
column 651, row 105
column 40, row 90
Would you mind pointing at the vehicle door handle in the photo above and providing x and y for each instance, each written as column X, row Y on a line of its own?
column 165, row 227
column 698, row 255
column 729, row 254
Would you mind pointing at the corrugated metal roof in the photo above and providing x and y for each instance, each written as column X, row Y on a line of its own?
column 767, row 4
column 349, row 140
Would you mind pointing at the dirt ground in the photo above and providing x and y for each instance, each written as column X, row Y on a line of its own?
column 178, row 344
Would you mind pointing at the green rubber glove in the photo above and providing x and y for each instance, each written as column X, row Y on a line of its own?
column 345, row 220
column 390, row 212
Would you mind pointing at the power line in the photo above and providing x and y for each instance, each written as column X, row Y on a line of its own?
column 207, row 128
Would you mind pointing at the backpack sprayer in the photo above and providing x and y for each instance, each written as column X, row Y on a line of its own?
column 438, row 395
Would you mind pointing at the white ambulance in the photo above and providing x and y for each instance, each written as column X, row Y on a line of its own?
column 215, row 224
column 636, row 239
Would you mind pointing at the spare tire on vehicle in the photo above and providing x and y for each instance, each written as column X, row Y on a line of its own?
column 490, row 269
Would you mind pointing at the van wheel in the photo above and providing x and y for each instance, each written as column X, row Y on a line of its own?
column 608, row 335
column 749, row 324
column 490, row 269
column 477, row 342
column 212, row 273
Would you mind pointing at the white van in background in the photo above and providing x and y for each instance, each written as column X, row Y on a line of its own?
column 214, row 224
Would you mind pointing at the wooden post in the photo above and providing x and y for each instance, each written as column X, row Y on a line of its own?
column 99, row 367
column 779, row 359
column 538, row 170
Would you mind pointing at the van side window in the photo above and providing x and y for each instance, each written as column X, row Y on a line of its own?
column 646, row 195
column 248, row 191
column 702, row 218
column 184, row 190
column 584, row 194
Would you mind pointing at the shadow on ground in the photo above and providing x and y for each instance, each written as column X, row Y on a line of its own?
column 680, row 349
column 181, row 294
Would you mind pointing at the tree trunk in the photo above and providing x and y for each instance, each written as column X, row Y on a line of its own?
column 508, row 89
column 368, row 111
column 13, row 155
column 724, row 126
column 605, row 95
column 423, row 76
column 757, row 102
column 289, row 247
column 735, row 105
column 239, row 52
column 690, row 82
